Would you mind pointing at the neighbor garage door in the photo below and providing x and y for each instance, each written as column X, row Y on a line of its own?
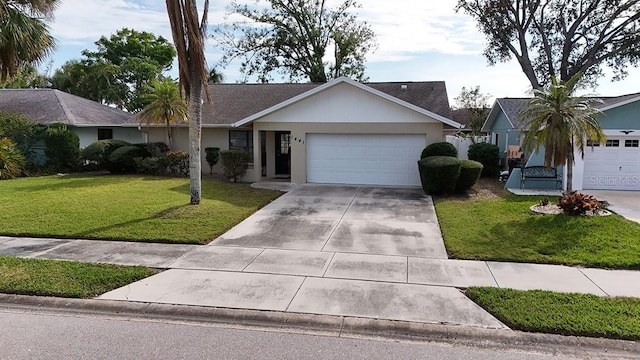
column 364, row 158
column 614, row 165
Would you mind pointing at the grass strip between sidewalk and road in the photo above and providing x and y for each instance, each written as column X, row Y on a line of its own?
column 65, row 278
column 505, row 229
column 132, row 208
column 561, row 313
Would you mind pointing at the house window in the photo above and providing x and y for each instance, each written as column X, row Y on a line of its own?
column 593, row 143
column 241, row 140
column 631, row 143
column 612, row 143
column 105, row 134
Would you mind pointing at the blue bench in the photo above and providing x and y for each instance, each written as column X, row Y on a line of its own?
column 539, row 173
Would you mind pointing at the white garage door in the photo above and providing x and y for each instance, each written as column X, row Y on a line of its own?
column 364, row 158
column 614, row 165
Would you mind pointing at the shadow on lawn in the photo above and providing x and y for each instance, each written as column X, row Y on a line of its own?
column 236, row 194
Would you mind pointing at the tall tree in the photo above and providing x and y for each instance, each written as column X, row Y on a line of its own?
column 24, row 34
column 295, row 38
column 560, row 38
column 561, row 122
column 166, row 106
column 189, row 33
column 119, row 70
column 476, row 103
column 215, row 76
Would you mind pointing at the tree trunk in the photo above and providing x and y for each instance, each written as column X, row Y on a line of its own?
column 195, row 128
column 570, row 175
column 169, row 137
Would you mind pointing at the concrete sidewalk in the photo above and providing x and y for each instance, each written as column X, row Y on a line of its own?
column 374, row 286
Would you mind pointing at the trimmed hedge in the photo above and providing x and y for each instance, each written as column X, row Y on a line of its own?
column 439, row 174
column 122, row 160
column 469, row 174
column 439, row 149
column 98, row 152
column 488, row 155
column 213, row 155
column 62, row 148
column 234, row 163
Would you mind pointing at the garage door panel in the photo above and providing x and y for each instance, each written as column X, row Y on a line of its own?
column 375, row 159
column 612, row 168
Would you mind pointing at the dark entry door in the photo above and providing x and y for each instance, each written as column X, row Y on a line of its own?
column 283, row 152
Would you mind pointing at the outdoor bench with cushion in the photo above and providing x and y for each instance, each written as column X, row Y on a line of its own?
column 539, row 173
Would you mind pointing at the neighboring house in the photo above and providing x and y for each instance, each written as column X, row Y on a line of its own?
column 91, row 120
column 614, row 165
column 339, row 132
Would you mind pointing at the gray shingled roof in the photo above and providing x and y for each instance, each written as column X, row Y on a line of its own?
column 512, row 107
column 46, row 106
column 234, row 102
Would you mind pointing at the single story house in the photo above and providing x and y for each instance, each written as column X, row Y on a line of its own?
column 91, row 120
column 341, row 132
column 613, row 165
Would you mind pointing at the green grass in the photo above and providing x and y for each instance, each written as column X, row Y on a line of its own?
column 505, row 229
column 137, row 208
column 64, row 278
column 562, row 313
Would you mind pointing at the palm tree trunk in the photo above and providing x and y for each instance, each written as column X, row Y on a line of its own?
column 195, row 129
column 169, row 137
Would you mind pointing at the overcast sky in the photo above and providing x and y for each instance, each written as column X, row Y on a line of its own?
column 418, row 41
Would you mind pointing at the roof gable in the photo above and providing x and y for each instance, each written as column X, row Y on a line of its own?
column 354, row 84
column 46, row 106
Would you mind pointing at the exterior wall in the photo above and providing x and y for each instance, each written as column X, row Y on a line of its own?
column 507, row 135
column 537, row 159
column 299, row 131
column 344, row 103
column 89, row 135
column 211, row 137
column 625, row 117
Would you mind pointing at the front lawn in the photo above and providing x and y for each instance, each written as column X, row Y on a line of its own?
column 65, row 278
column 505, row 229
column 138, row 208
column 562, row 313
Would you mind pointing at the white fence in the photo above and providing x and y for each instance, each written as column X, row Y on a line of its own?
column 463, row 143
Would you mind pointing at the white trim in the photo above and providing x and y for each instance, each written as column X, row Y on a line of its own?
column 492, row 117
column 622, row 103
column 357, row 85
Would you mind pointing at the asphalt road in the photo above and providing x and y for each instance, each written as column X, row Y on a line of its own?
column 33, row 334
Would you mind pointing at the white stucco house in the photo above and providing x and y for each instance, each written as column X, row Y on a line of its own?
column 91, row 120
column 341, row 132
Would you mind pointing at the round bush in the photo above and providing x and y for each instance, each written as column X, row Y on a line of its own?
column 469, row 173
column 488, row 155
column 439, row 149
column 98, row 151
column 235, row 164
column 122, row 160
column 439, row 174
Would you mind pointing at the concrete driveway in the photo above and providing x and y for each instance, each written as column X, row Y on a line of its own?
column 624, row 203
column 347, row 219
column 363, row 251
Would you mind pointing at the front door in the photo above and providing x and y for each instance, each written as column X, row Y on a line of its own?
column 283, row 152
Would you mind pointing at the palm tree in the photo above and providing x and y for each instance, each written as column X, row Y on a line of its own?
column 189, row 33
column 215, row 76
column 166, row 106
column 24, row 36
column 561, row 123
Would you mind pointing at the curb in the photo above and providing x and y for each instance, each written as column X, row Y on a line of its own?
column 330, row 325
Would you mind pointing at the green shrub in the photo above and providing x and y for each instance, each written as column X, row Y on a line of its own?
column 157, row 149
column 11, row 159
column 178, row 163
column 488, row 155
column 439, row 174
column 469, row 173
column 23, row 133
column 439, row 149
column 62, row 148
column 235, row 163
column 213, row 155
column 99, row 151
column 122, row 159
column 154, row 165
